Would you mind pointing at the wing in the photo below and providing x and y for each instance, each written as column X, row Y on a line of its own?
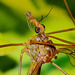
column 29, row 24
column 70, row 52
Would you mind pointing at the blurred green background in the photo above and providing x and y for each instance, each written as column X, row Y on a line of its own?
column 14, row 29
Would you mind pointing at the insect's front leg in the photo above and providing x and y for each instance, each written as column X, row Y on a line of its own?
column 22, row 51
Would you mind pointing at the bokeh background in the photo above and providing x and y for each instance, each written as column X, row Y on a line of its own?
column 14, row 29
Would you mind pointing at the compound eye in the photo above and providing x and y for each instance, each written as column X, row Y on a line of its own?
column 43, row 25
column 37, row 29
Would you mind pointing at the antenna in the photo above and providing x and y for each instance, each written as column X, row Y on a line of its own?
column 46, row 15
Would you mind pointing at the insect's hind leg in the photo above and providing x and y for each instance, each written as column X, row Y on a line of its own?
column 59, row 68
column 21, row 60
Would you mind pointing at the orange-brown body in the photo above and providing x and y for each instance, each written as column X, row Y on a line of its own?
column 39, row 53
column 41, row 49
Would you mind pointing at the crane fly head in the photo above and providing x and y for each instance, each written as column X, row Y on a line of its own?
column 39, row 28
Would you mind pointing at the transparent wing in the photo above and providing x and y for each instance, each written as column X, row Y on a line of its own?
column 29, row 24
column 70, row 53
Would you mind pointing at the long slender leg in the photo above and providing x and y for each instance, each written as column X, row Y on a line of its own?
column 62, row 40
column 16, row 44
column 69, row 11
column 59, row 68
column 53, row 44
column 24, row 50
column 66, row 30
column 21, row 60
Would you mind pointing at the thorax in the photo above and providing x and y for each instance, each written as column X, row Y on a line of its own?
column 41, row 52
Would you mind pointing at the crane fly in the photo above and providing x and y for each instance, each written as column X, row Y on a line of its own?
column 41, row 49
